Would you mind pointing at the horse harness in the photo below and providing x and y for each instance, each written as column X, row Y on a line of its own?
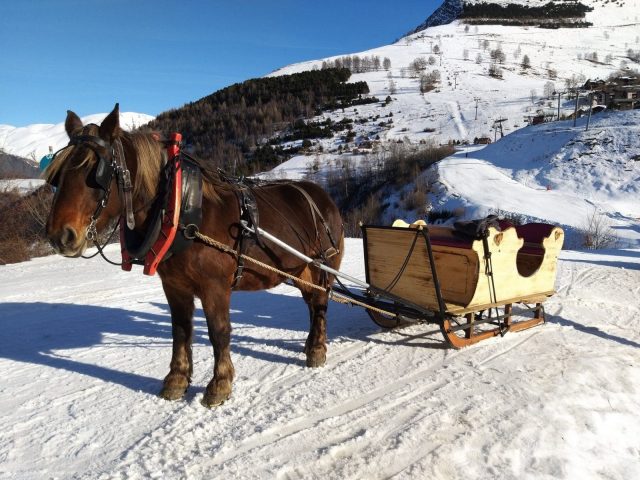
column 250, row 221
column 177, row 206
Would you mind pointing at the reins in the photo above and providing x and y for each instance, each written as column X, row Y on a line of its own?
column 100, row 248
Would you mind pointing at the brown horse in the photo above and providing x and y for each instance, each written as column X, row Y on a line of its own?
column 285, row 211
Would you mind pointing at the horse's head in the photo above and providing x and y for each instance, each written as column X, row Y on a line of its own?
column 84, row 175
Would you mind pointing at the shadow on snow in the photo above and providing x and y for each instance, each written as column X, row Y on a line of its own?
column 39, row 333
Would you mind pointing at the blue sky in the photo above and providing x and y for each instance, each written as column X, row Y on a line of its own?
column 151, row 56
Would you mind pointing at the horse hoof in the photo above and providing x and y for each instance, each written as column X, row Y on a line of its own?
column 172, row 393
column 212, row 401
column 316, row 362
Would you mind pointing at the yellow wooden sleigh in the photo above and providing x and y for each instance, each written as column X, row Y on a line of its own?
column 468, row 286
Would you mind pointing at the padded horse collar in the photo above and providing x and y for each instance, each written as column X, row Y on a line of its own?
column 178, row 202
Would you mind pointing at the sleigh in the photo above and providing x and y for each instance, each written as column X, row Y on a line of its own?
column 418, row 273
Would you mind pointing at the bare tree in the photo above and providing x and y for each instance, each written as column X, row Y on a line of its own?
column 549, row 88
column 392, row 87
column 597, row 232
column 494, row 70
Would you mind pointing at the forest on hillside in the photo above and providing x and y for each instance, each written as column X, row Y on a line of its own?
column 227, row 127
column 565, row 14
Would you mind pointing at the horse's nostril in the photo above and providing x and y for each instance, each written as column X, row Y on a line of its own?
column 68, row 238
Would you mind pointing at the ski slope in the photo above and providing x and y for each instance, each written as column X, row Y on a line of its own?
column 85, row 346
column 554, row 172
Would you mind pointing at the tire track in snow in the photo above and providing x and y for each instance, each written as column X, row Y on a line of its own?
column 175, row 432
column 385, row 398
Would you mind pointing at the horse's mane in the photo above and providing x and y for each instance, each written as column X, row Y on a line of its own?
column 150, row 157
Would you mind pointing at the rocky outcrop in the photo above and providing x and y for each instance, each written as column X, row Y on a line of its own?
column 444, row 14
column 12, row 166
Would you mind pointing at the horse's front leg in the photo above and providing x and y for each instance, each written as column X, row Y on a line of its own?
column 216, row 310
column 181, row 367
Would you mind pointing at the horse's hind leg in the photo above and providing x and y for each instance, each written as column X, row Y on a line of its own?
column 316, row 345
column 181, row 367
column 216, row 309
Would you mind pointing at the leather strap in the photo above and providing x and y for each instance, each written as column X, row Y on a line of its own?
column 124, row 184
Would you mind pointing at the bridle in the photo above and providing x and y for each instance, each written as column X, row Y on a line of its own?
column 111, row 164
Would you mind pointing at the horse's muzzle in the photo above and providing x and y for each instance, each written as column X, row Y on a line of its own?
column 67, row 242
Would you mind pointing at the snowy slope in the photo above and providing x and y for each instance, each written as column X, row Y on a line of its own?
column 33, row 141
column 602, row 12
column 451, row 109
column 85, row 346
column 22, row 185
column 554, row 172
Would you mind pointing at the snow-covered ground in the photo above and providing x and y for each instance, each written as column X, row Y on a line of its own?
column 462, row 56
column 552, row 172
column 84, row 348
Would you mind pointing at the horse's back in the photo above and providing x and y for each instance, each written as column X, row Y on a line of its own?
column 304, row 200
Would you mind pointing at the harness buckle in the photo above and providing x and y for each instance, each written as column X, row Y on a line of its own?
column 126, row 180
column 190, row 231
column 92, row 231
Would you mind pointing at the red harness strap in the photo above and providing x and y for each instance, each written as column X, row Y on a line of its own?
column 170, row 220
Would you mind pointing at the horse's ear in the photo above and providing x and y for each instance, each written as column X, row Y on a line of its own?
column 110, row 127
column 72, row 124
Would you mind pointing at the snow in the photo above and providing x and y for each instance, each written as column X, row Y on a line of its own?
column 85, row 347
column 563, row 50
column 33, row 141
column 531, row 170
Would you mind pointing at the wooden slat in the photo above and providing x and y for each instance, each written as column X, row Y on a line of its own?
column 387, row 251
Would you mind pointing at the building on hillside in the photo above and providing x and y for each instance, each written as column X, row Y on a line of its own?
column 621, row 93
column 542, row 115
